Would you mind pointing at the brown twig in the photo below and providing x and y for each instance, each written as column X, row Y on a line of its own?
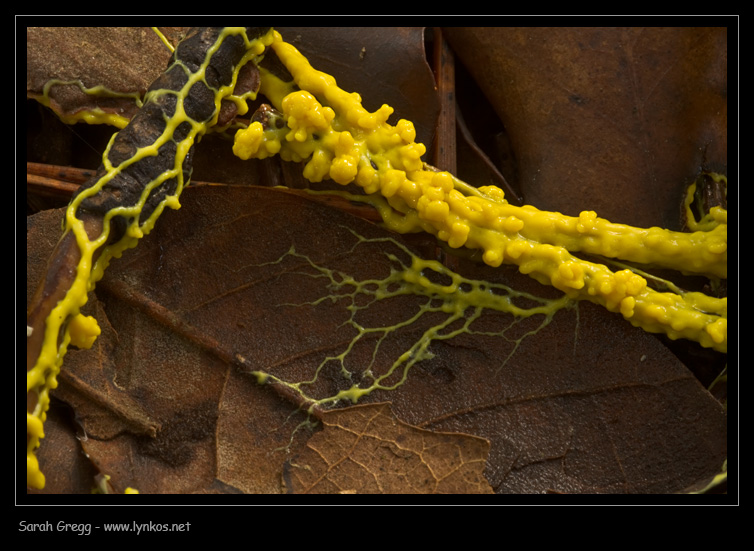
column 62, row 182
column 445, row 138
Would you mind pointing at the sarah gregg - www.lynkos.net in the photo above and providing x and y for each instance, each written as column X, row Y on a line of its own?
column 86, row 528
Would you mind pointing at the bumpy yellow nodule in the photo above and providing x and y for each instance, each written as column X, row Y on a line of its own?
column 338, row 139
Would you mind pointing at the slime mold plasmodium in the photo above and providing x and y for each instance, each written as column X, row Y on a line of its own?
column 450, row 302
column 89, row 116
column 144, row 170
column 338, row 139
column 315, row 122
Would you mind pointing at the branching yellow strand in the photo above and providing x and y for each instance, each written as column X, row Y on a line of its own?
column 457, row 302
column 65, row 325
column 329, row 129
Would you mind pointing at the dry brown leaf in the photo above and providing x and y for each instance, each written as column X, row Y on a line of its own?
column 128, row 60
column 616, row 120
column 367, row 450
column 165, row 403
column 586, row 404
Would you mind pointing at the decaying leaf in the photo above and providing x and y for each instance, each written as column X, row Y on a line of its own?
column 245, row 284
column 619, row 119
column 239, row 280
column 366, row 449
column 61, row 66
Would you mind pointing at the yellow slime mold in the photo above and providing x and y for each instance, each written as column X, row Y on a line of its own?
column 453, row 303
column 328, row 129
column 65, row 325
column 338, row 139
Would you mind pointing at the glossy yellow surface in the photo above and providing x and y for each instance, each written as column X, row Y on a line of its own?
column 83, row 330
column 329, row 130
